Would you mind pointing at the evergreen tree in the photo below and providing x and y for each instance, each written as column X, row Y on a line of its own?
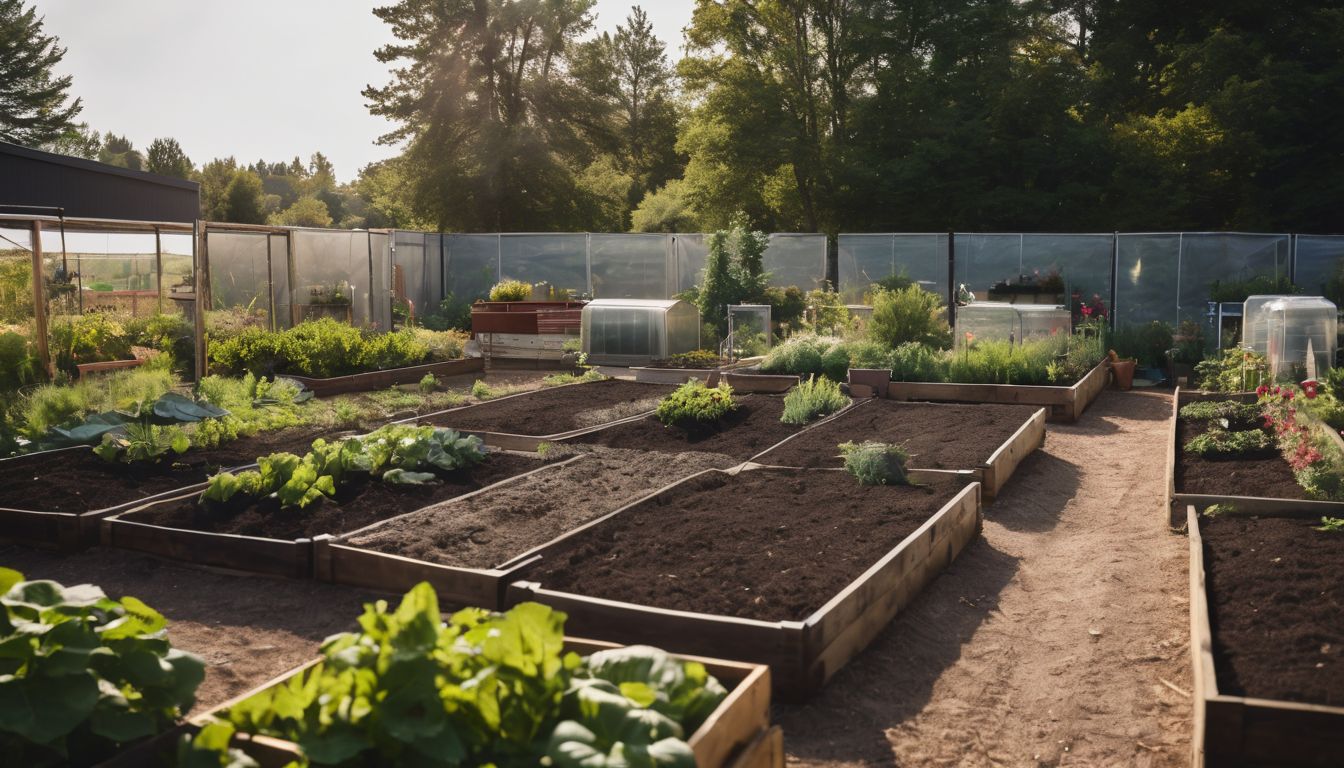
column 167, row 158
column 34, row 105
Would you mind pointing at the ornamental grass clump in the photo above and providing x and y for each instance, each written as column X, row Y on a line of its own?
column 873, row 463
column 812, row 398
column 694, row 404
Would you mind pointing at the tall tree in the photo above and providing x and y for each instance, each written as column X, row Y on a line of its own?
column 35, row 107
column 119, row 151
column 166, row 157
column 495, row 127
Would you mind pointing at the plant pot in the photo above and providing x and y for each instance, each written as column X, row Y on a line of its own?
column 1124, row 373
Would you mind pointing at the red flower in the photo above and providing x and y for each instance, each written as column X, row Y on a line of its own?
column 1261, row 390
column 970, row 336
column 1311, row 388
column 1087, row 311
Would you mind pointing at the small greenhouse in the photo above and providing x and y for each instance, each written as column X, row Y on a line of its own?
column 1296, row 334
column 638, row 331
column 1001, row 321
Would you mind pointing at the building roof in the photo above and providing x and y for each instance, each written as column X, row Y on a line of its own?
column 31, row 178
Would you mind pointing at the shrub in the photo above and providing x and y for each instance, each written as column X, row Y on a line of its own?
column 913, row 361
column 442, row 345
column 909, row 314
column 700, row 358
column 511, row 290
column 92, row 338
column 320, row 348
column 799, row 356
column 18, row 364
column 812, row 398
column 829, row 313
column 1235, row 370
column 1219, row 442
column 695, row 403
column 481, row 391
column 428, row 383
column 84, row 673
column 870, row 354
column 1002, row 362
column 873, row 463
column 1148, row 344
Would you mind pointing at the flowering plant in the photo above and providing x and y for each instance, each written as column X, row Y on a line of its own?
column 1314, row 458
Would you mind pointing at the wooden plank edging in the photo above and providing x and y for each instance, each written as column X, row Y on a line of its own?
column 1065, row 403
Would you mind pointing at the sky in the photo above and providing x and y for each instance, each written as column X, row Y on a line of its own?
column 254, row 79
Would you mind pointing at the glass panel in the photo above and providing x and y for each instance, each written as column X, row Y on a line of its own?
column 239, row 274
column 409, row 272
column 18, row 329
column 690, row 252
column 332, row 275
column 1036, row 268
column 178, row 275
column 751, row 329
column 629, row 266
column 116, row 272
column 1206, row 257
column 281, row 297
column 558, row 261
column 473, row 266
column 1147, row 279
column 1319, row 259
column 796, row 260
column 380, row 276
column 866, row 259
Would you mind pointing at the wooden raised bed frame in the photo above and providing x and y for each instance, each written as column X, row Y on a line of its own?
column 1174, row 502
column 371, row 380
column 736, row 734
column 802, row 655
column 1239, row 730
column 993, row 473
column 1066, row 404
column 67, row 531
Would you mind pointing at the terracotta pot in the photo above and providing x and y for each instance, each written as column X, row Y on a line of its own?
column 1124, row 373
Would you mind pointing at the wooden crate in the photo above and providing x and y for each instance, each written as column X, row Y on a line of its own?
column 1065, row 403
column 373, row 380
column 338, row 562
column 1175, row 501
column 802, row 655
column 735, row 734
column 992, row 474
column 1243, row 731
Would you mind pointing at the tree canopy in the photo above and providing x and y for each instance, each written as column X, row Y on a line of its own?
column 35, row 107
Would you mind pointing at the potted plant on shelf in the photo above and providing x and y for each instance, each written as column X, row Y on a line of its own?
column 1123, row 368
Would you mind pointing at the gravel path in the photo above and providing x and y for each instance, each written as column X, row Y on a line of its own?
column 1049, row 642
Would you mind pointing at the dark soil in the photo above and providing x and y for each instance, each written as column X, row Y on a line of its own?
column 503, row 523
column 552, row 411
column 745, row 432
column 770, row 545
column 937, row 436
column 1266, row 475
column 1274, row 602
column 355, row 505
column 79, row 481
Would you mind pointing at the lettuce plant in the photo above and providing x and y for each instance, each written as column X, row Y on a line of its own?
column 694, row 403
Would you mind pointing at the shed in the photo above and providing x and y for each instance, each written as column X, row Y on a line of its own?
column 92, row 190
column 638, row 331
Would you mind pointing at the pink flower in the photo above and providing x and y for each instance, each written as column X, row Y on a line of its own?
column 1310, row 388
column 1261, row 390
column 1087, row 311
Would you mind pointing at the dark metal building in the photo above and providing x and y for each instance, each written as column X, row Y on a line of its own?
column 93, row 190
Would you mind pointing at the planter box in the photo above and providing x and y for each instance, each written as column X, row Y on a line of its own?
column 523, row 346
column 802, row 655
column 1175, row 502
column 735, row 734
column 682, row 375
column 526, row 317
column 373, row 380
column 992, row 474
column 1066, row 404
column 68, row 531
column 336, row 562
column 1243, row 731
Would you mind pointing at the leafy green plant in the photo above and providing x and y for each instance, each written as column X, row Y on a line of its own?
column 1220, row 443
column 700, row 358
column 82, row 674
column 1148, row 344
column 480, row 688
column 694, row 403
column 19, row 365
column 812, row 398
column 909, row 314
column 1331, row 525
column 802, row 355
column 913, row 361
column 321, row 348
column 873, row 463
column 428, row 383
column 481, row 391
column 511, row 290
column 1261, row 285
column 1229, row 414
column 1235, row 370
column 560, row 379
column 142, row 444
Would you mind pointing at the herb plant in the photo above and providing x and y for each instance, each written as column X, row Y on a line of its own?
column 511, row 290
column 812, row 398
column 873, row 463
column 694, row 403
column 81, row 674
column 1229, row 414
column 1219, row 443
column 1331, row 525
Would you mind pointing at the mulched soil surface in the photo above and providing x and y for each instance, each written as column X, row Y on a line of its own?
column 354, row 507
column 770, row 545
column 552, row 411
column 1267, row 475
column 79, row 481
column 937, row 436
column 504, row 522
column 745, row 432
column 1274, row 604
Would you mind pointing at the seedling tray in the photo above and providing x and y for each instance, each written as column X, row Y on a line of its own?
column 803, row 654
column 1246, row 731
column 1176, row 500
column 736, row 734
column 992, row 473
column 581, row 394
column 1066, row 404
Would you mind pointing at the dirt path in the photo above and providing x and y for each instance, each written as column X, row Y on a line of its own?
column 1047, row 642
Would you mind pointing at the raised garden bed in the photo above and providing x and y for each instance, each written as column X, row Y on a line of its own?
column 753, row 427
column 524, row 421
column 260, row 537
column 58, row 497
column 1262, row 482
column 375, row 380
column 462, row 546
column 1266, row 639
column 671, row 372
column 989, row 440
column 737, row 734
column 527, row 317
column 798, row 569
column 1066, row 404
